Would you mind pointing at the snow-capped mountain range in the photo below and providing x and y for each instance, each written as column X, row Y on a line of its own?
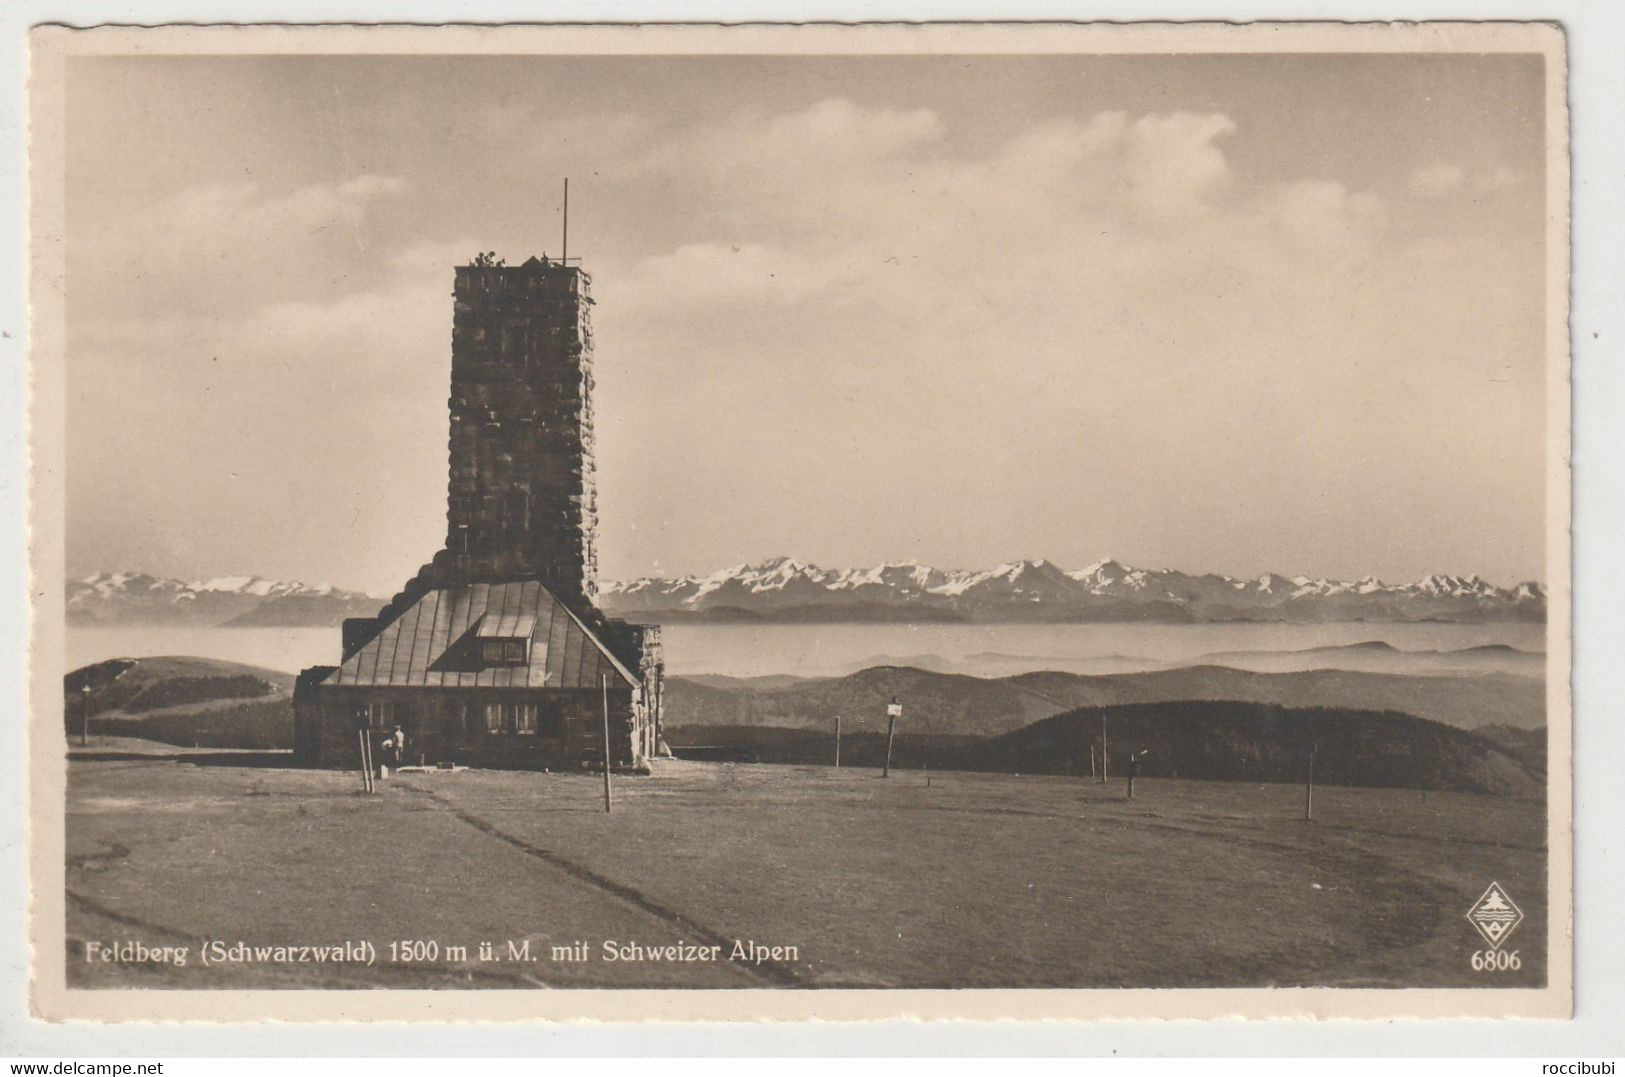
column 785, row 589
column 788, row 589
column 136, row 597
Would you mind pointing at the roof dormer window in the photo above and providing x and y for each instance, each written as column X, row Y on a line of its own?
column 505, row 640
column 504, row 652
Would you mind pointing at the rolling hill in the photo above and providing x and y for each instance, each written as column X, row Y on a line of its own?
column 201, row 702
column 1202, row 722
column 1205, row 740
column 1257, row 742
column 947, row 703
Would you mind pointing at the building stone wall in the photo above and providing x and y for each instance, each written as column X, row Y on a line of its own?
column 447, row 726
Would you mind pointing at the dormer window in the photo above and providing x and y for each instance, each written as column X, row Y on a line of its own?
column 505, row 640
column 505, row 652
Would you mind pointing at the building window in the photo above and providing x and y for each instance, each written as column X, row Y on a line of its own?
column 522, row 719
column 505, row 651
column 382, row 715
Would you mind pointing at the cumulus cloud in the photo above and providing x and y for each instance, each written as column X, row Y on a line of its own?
column 1326, row 217
column 1497, row 179
column 703, row 274
column 1172, row 166
column 230, row 246
column 872, row 214
column 1082, row 290
column 828, row 136
column 1075, row 300
column 1435, row 180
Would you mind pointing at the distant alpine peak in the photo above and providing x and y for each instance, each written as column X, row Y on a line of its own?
column 111, row 584
column 1106, row 586
column 1106, row 565
column 260, row 587
column 141, row 598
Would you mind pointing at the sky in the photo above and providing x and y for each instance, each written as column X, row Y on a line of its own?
column 1234, row 314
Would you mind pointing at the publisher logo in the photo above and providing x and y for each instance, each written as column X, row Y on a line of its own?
column 1495, row 916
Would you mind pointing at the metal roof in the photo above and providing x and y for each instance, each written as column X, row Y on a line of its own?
column 507, row 626
column 564, row 653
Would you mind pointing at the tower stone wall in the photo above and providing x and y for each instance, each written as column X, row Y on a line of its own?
column 521, row 497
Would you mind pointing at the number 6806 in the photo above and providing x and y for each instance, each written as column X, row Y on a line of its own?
column 1496, row 961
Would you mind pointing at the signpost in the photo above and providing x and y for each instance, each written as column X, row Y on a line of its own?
column 837, row 742
column 894, row 711
column 603, row 684
column 1134, row 769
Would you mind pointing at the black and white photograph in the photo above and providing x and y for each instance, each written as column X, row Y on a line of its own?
column 816, row 521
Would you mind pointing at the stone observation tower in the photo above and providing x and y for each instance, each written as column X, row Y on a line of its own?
column 521, row 495
column 494, row 653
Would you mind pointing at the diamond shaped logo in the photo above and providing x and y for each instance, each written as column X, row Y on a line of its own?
column 1495, row 916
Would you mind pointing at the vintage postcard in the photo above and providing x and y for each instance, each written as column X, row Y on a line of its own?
column 846, row 522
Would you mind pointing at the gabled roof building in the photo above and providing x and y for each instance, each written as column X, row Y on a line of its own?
column 494, row 653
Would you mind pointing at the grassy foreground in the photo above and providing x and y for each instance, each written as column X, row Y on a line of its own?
column 975, row 880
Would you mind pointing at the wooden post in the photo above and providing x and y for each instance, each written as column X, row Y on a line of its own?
column 1309, row 782
column 366, row 759
column 1091, row 761
column 84, row 716
column 1103, row 749
column 837, row 742
column 603, row 683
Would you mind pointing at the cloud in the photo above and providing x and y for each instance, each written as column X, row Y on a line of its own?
column 704, row 274
column 829, row 136
column 863, row 209
column 1072, row 326
column 1326, row 217
column 1436, row 180
column 227, row 247
column 1172, row 167
column 1497, row 179
column 1030, row 325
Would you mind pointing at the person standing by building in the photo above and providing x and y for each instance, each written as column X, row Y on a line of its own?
column 395, row 747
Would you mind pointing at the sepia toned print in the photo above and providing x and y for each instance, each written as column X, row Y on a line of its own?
column 1140, row 452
